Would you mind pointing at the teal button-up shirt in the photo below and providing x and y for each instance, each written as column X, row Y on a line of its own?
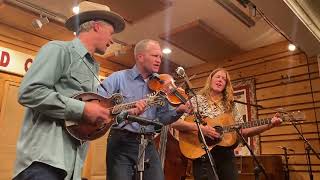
column 60, row 71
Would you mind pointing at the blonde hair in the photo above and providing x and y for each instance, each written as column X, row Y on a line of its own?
column 227, row 93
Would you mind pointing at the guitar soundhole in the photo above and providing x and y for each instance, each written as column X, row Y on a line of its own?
column 219, row 129
column 210, row 141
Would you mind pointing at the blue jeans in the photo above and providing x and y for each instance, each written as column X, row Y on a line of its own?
column 41, row 171
column 122, row 156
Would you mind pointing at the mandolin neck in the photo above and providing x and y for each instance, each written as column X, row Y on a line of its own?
column 122, row 107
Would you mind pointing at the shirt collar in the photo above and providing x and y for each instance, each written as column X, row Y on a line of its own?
column 79, row 47
column 135, row 72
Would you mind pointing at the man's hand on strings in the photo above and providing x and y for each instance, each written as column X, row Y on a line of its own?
column 140, row 107
column 96, row 114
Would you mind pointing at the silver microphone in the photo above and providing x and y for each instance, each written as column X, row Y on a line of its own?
column 180, row 71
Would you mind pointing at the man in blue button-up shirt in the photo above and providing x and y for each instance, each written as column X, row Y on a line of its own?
column 123, row 141
column 61, row 70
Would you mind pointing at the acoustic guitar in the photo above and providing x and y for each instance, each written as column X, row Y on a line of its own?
column 190, row 144
column 82, row 130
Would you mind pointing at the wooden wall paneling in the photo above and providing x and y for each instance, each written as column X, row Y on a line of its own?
column 283, row 90
column 18, row 45
column 95, row 168
column 299, row 175
column 255, row 61
column 279, row 75
column 297, row 158
column 315, row 84
column 297, row 145
column 289, row 129
column 7, row 77
column 244, row 57
column 10, row 124
column 283, row 81
column 286, row 101
column 310, row 116
column 294, row 108
column 313, row 67
column 288, row 137
column 18, row 35
column 258, row 53
column 270, row 66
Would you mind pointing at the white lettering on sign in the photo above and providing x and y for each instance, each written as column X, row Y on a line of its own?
column 14, row 61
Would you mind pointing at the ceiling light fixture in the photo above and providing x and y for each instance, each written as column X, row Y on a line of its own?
column 39, row 22
column 166, row 50
column 291, row 47
column 236, row 12
column 76, row 10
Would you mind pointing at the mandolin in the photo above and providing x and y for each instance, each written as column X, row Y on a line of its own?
column 84, row 131
column 190, row 144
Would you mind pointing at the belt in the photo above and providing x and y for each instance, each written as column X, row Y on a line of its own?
column 130, row 135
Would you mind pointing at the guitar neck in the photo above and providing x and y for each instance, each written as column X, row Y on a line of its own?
column 248, row 124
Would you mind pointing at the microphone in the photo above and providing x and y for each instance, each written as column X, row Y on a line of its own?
column 182, row 73
column 285, row 148
column 141, row 120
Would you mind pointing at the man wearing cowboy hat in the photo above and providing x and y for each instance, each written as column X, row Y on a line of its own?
column 61, row 70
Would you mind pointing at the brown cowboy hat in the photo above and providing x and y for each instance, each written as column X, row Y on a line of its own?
column 94, row 11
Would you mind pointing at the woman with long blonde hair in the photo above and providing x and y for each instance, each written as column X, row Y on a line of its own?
column 213, row 100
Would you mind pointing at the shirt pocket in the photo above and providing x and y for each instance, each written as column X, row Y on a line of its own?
column 82, row 80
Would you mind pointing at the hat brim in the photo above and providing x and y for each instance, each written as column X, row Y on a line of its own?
column 114, row 19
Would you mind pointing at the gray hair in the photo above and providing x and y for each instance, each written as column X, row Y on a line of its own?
column 87, row 26
column 142, row 45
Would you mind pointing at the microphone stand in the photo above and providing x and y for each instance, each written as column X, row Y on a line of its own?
column 141, row 155
column 258, row 168
column 286, row 169
column 198, row 121
column 247, row 103
column 308, row 147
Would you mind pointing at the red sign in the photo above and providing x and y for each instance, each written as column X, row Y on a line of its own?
column 14, row 61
